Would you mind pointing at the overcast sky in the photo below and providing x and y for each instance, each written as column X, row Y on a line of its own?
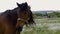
column 35, row 4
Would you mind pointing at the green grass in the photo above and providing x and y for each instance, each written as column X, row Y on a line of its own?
column 48, row 20
column 44, row 29
column 41, row 30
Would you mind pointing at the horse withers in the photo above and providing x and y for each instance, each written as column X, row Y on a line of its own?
column 14, row 20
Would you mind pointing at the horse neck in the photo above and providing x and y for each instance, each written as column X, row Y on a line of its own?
column 12, row 17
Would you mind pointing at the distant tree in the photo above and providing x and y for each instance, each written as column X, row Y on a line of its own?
column 38, row 14
column 55, row 14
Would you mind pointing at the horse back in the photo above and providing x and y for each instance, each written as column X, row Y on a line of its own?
column 5, row 26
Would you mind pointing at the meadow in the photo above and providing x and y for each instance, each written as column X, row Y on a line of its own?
column 44, row 26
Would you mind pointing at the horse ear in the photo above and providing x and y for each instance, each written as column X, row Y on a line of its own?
column 18, row 4
column 26, row 3
column 29, row 7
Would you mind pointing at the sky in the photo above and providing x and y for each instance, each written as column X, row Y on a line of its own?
column 35, row 4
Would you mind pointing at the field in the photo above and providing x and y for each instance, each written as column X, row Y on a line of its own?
column 44, row 26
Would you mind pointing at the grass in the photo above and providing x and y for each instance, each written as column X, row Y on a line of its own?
column 42, row 29
column 48, row 20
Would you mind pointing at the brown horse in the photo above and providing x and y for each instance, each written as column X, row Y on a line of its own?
column 14, row 20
